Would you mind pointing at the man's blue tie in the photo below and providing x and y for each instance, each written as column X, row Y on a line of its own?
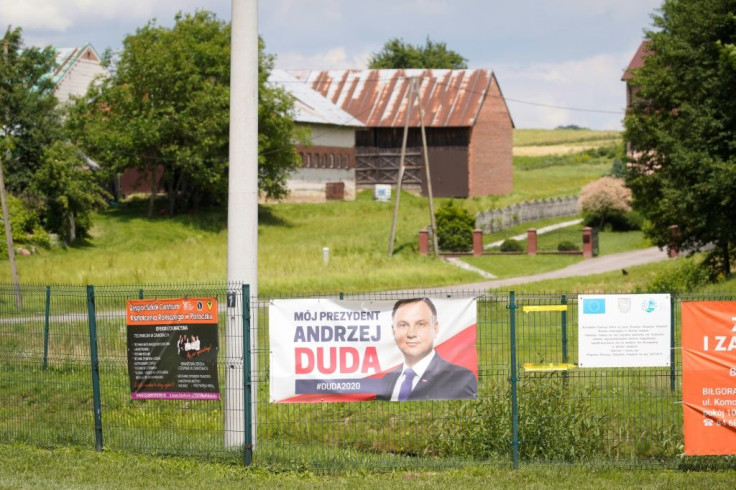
column 405, row 389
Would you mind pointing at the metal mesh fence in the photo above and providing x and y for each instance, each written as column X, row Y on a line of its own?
column 64, row 380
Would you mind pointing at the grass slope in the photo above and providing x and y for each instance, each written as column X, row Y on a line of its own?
column 128, row 248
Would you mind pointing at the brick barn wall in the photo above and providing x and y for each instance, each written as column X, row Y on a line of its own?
column 490, row 154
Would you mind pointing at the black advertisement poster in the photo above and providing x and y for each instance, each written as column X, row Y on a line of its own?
column 172, row 349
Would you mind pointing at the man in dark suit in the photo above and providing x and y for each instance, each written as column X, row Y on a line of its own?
column 424, row 375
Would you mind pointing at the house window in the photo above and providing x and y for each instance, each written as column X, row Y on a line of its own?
column 324, row 160
column 308, row 161
column 332, row 161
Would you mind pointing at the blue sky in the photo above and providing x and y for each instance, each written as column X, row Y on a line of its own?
column 558, row 62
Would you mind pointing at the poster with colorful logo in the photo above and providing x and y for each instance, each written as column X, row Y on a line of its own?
column 709, row 377
column 172, row 349
column 324, row 350
column 624, row 330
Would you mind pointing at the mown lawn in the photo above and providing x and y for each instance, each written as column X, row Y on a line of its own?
column 31, row 467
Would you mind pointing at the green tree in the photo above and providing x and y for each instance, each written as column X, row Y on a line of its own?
column 28, row 117
column 167, row 107
column 682, row 127
column 68, row 192
column 398, row 54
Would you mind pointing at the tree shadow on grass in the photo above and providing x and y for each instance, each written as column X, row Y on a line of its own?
column 267, row 217
column 211, row 219
column 410, row 248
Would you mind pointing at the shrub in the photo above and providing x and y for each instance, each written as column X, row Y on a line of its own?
column 567, row 246
column 24, row 225
column 618, row 169
column 454, row 228
column 684, row 277
column 554, row 424
column 511, row 245
column 606, row 203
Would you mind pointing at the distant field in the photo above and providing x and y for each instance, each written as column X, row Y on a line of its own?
column 537, row 142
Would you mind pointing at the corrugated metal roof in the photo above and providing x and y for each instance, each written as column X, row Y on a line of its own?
column 449, row 98
column 310, row 106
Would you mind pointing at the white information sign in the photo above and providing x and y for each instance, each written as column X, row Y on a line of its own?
column 624, row 330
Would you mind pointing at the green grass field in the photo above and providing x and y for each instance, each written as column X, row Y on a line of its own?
column 545, row 137
column 128, row 248
column 31, row 467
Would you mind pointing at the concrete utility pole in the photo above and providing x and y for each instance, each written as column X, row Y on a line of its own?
column 242, row 212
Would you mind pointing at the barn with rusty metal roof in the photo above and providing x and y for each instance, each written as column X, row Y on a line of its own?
column 468, row 127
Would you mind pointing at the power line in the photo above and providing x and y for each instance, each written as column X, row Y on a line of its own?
column 436, row 81
column 551, row 106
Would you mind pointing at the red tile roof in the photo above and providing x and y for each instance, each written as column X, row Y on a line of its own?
column 638, row 60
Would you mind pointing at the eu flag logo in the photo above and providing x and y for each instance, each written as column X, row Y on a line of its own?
column 594, row 306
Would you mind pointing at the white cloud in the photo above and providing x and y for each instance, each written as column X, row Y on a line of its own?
column 614, row 8
column 587, row 92
column 333, row 59
column 62, row 15
column 423, row 7
column 35, row 14
column 543, row 53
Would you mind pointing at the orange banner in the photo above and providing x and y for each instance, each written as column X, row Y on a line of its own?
column 174, row 311
column 709, row 377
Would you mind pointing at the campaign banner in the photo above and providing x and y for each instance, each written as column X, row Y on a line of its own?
column 172, row 349
column 709, row 377
column 624, row 330
column 324, row 350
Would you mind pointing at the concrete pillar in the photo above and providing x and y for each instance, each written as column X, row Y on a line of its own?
column 674, row 248
column 477, row 242
column 531, row 241
column 587, row 242
column 423, row 242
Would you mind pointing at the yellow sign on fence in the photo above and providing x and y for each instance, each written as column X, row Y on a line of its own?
column 550, row 366
column 527, row 309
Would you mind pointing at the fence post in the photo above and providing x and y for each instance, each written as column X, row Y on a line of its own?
column 247, row 398
column 531, row 241
column 672, row 342
column 423, row 242
column 563, row 319
column 95, row 366
column 514, row 402
column 563, row 301
column 477, row 242
column 587, row 242
column 674, row 247
column 46, row 329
